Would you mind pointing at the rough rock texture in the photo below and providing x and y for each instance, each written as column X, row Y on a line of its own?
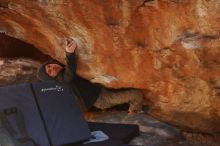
column 14, row 71
column 168, row 48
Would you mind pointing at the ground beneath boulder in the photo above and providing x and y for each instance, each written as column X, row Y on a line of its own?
column 153, row 132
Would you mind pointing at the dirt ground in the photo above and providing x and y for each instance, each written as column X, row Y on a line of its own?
column 153, row 132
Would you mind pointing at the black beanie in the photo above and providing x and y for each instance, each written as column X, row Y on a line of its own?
column 41, row 73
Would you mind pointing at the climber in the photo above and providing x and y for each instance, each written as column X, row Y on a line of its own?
column 90, row 93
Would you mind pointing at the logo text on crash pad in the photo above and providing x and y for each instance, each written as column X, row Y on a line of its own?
column 56, row 88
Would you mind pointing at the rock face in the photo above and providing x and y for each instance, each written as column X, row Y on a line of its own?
column 168, row 48
column 14, row 71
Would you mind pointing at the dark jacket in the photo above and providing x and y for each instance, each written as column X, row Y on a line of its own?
column 82, row 88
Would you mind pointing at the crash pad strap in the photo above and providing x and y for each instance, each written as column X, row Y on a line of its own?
column 4, row 113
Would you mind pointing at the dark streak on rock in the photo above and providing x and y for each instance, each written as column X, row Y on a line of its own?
column 141, row 45
column 112, row 23
column 146, row 1
column 209, row 37
column 4, row 5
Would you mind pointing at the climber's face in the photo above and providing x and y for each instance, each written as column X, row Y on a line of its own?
column 53, row 69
